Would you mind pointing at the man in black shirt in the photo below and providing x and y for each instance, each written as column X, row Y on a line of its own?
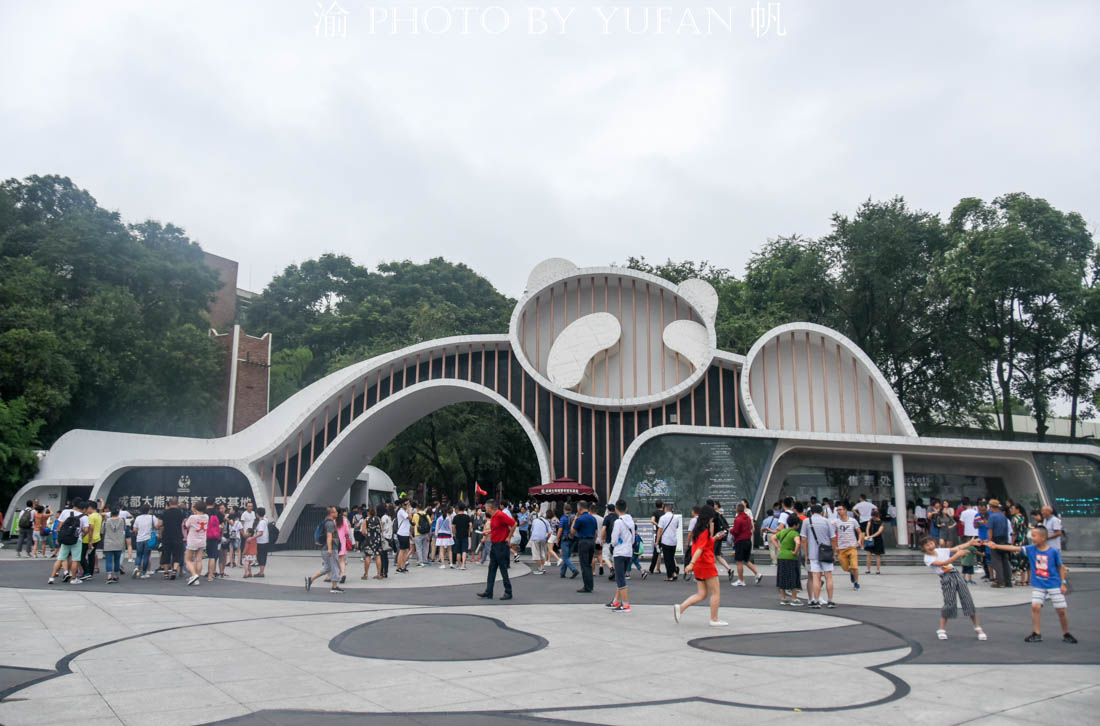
column 171, row 537
column 605, row 538
column 655, row 560
column 462, row 525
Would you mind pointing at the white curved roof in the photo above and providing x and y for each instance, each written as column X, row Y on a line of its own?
column 376, row 479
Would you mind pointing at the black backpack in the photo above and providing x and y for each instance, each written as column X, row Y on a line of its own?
column 423, row 525
column 69, row 532
column 26, row 519
column 272, row 533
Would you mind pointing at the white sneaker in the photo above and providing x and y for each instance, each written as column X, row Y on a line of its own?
column 49, row 581
column 75, row 581
column 676, row 612
column 718, row 623
column 738, row 583
column 443, row 567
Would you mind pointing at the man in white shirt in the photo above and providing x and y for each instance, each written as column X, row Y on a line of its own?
column 864, row 509
column 262, row 541
column 1053, row 524
column 668, row 530
column 248, row 517
column 817, row 532
column 622, row 544
column 849, row 540
column 404, row 541
column 967, row 517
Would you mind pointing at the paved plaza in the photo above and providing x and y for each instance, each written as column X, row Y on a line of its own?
column 422, row 649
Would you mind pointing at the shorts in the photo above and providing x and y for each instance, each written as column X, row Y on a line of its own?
column 848, row 558
column 212, row 547
column 539, row 550
column 65, row 551
column 818, row 566
column 171, row 553
column 261, row 554
column 1039, row 595
column 195, row 548
column 402, row 542
column 742, row 550
column 718, row 547
column 622, row 566
column 461, row 546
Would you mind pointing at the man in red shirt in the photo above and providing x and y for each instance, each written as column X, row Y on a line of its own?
column 501, row 527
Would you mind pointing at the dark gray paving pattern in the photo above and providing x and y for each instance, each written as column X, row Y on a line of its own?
column 435, row 637
column 323, row 718
column 14, row 676
column 804, row 643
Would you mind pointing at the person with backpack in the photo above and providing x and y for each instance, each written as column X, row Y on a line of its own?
column 72, row 525
column 25, row 525
column 423, row 526
column 144, row 533
column 114, row 541
column 820, row 537
column 213, row 540
column 540, row 534
column 330, row 554
column 568, row 539
column 92, row 540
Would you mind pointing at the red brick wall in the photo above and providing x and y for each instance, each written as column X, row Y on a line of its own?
column 223, row 310
column 253, row 373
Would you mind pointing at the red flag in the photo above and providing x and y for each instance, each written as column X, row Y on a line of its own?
column 478, row 490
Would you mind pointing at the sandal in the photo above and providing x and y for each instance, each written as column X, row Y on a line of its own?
column 941, row 634
column 981, row 634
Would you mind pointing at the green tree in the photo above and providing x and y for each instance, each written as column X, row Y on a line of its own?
column 18, row 441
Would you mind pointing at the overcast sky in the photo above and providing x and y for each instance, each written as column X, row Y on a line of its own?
column 271, row 143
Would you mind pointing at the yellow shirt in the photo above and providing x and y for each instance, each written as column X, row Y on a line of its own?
column 95, row 527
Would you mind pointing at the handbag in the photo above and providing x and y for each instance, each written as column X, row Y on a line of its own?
column 824, row 552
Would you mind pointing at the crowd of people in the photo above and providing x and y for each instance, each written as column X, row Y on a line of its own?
column 805, row 541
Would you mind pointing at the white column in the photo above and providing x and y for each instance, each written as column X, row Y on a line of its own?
column 899, row 502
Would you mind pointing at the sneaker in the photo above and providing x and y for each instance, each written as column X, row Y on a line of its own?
column 1034, row 638
column 111, row 581
column 443, row 567
column 718, row 623
column 536, row 572
column 542, row 572
column 796, row 603
column 739, row 583
column 852, row 578
column 815, row 604
column 86, row 577
column 621, row 609
column 574, row 574
column 134, row 573
column 941, row 634
column 1067, row 638
column 515, row 559
column 729, row 575
column 830, row 604
column 66, row 577
column 645, row 574
column 626, row 576
column 336, row 589
column 309, row 583
column 855, row 585
column 193, row 580
column 784, row 602
column 676, row 613
column 452, row 567
column 75, row 581
column 759, row 577
column 145, row 576
column 49, row 581
column 981, row 634
column 612, row 604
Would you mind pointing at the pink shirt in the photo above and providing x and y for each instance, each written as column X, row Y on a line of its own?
column 344, row 531
column 195, row 528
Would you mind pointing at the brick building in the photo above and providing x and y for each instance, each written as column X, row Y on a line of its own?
column 246, row 388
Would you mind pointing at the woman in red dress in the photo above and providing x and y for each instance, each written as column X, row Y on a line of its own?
column 702, row 566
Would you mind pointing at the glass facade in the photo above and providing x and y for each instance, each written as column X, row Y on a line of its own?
column 804, row 482
column 688, row 470
column 1073, row 484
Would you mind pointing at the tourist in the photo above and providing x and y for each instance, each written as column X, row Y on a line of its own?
column 863, row 510
column 788, row 546
column 1019, row 560
column 1048, row 581
column 330, row 553
column 819, row 534
column 345, row 541
column 24, row 524
column 369, row 533
column 422, row 529
column 171, row 539
column 999, row 530
column 444, row 540
column 501, row 527
column 828, row 509
column 72, row 524
column 540, row 538
column 144, row 526
column 659, row 510
column 621, row 543
column 720, row 531
column 687, row 544
column 462, row 526
column 933, row 519
column 248, row 517
column 195, row 535
column 703, row 568
column 607, row 527
column 568, row 539
column 873, row 542
column 91, row 540
column 236, row 530
column 41, row 533
column 942, row 561
column 553, row 547
column 742, row 546
column 223, row 543
column 584, row 530
column 523, row 520
column 404, row 540
column 213, row 540
column 668, row 531
column 263, row 541
column 1053, row 524
column 946, row 525
column 114, row 541
column 597, row 554
column 849, row 540
column 248, row 551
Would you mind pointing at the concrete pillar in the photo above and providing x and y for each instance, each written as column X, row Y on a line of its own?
column 899, row 502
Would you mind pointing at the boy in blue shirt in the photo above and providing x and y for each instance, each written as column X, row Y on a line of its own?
column 1048, row 581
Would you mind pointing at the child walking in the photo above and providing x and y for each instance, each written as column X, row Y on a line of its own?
column 1048, row 581
column 941, row 560
column 248, row 554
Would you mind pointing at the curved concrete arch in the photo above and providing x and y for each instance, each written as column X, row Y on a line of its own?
column 807, row 375
column 346, row 455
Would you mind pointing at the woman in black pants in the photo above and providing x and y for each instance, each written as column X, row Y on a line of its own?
column 655, row 558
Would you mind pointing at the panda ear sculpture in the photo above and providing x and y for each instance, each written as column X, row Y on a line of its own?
column 702, row 296
column 547, row 270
